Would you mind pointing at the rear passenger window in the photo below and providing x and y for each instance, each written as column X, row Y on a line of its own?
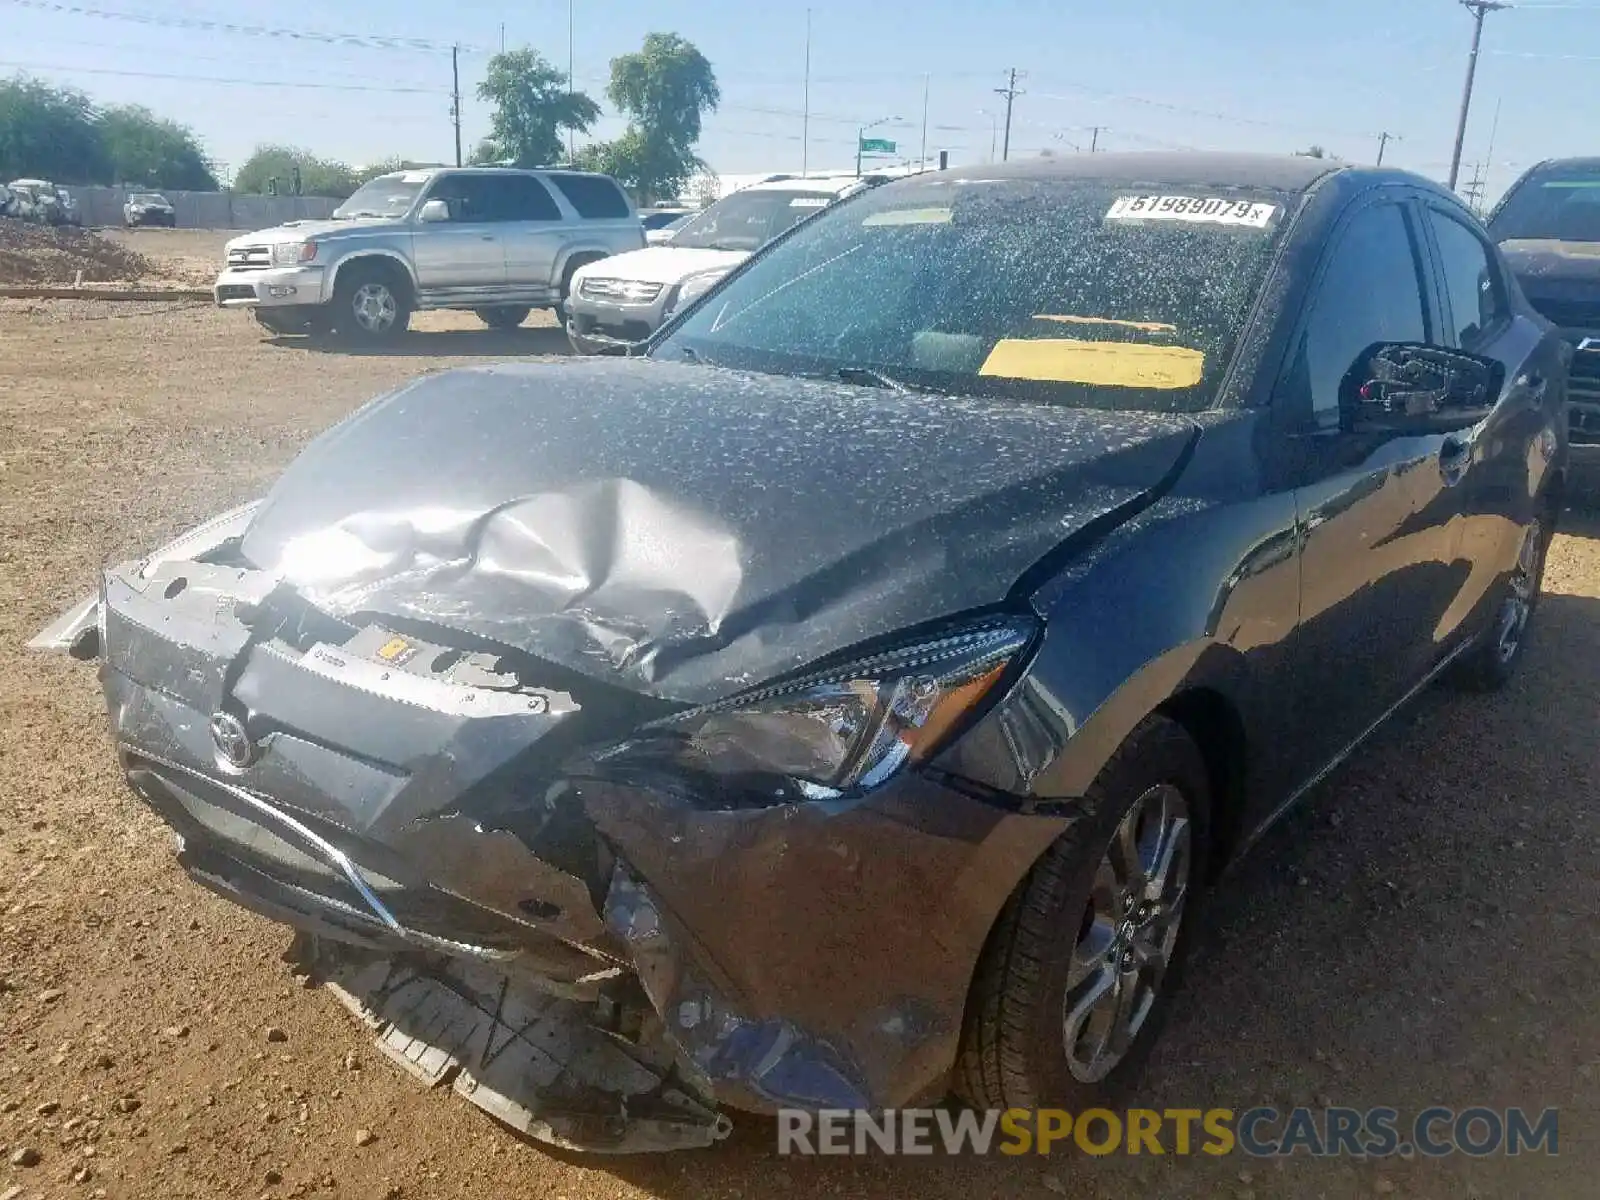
column 527, row 200
column 1470, row 279
column 594, row 196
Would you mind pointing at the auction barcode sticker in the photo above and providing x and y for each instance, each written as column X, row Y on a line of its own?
column 1199, row 209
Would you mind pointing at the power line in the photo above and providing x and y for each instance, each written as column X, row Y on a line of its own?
column 1230, row 118
column 271, row 83
column 363, row 41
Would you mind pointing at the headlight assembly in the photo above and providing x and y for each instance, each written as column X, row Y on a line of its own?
column 288, row 254
column 842, row 730
column 692, row 288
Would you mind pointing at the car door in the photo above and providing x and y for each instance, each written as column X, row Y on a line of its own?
column 535, row 232
column 465, row 253
column 1491, row 494
column 1375, row 558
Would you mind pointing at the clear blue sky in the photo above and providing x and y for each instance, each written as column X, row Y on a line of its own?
column 1241, row 74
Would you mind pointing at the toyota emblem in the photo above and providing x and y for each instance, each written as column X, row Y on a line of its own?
column 232, row 739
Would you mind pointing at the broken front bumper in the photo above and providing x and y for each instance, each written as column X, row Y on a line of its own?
column 426, row 809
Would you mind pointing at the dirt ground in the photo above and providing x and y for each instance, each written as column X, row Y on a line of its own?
column 1422, row 931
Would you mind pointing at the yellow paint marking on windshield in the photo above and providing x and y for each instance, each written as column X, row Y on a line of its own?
column 1142, row 326
column 908, row 216
column 1099, row 364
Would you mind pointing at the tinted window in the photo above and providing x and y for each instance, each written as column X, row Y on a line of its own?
column 1061, row 291
column 1559, row 203
column 594, row 196
column 1369, row 293
column 1470, row 279
column 495, row 198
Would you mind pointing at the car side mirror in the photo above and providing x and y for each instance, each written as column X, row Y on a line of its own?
column 1409, row 387
column 433, row 211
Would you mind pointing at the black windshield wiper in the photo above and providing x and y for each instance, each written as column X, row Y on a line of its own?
column 869, row 377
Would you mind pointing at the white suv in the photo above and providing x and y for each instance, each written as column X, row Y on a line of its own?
column 626, row 298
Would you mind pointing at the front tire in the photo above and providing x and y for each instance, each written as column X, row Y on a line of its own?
column 1081, row 966
column 370, row 304
column 504, row 316
column 1489, row 666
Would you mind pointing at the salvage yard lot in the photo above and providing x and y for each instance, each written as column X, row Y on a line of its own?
column 1422, row 931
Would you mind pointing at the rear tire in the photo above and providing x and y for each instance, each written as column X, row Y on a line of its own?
column 371, row 304
column 504, row 316
column 1079, row 970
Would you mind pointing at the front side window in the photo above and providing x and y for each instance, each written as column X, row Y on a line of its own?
column 1061, row 291
column 1370, row 292
column 1471, row 280
column 749, row 220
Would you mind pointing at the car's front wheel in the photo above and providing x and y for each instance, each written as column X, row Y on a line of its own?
column 370, row 303
column 1081, row 965
column 1488, row 667
column 504, row 316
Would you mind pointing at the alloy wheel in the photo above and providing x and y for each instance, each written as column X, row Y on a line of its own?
column 1518, row 606
column 1128, row 933
column 374, row 307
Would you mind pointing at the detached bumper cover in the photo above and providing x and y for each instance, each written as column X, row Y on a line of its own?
column 423, row 805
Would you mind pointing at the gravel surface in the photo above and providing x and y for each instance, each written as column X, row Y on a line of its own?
column 1422, row 930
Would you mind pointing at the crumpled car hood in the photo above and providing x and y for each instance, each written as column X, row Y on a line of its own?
column 687, row 531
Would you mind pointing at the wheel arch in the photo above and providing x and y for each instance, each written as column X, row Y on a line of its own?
column 391, row 260
column 576, row 256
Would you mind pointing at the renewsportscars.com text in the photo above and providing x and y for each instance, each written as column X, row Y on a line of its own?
column 1259, row 1132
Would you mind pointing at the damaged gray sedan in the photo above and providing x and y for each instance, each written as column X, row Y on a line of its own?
column 847, row 700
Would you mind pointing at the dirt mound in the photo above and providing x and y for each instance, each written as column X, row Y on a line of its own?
column 39, row 254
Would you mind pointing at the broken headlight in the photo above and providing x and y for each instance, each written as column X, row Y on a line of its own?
column 851, row 728
column 202, row 539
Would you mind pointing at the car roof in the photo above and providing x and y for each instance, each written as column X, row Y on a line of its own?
column 430, row 171
column 813, row 183
column 1275, row 172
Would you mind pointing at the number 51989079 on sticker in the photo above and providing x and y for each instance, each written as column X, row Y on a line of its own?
column 1208, row 209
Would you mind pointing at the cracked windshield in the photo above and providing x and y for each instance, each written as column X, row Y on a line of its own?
column 653, row 600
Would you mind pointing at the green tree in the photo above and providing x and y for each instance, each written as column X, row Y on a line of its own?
column 1311, row 152
column 49, row 132
column 318, row 176
column 665, row 89
column 532, row 106
column 143, row 148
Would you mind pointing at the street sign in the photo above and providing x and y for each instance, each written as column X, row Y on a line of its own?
column 877, row 146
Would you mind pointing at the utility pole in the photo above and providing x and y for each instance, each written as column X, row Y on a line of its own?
column 805, row 120
column 455, row 96
column 1010, row 93
column 1473, row 191
column 1094, row 137
column 1479, row 9
column 927, row 82
column 1383, row 144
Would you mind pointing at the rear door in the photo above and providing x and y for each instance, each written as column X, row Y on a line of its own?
column 535, row 232
column 1376, row 576
column 1487, row 470
column 465, row 253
